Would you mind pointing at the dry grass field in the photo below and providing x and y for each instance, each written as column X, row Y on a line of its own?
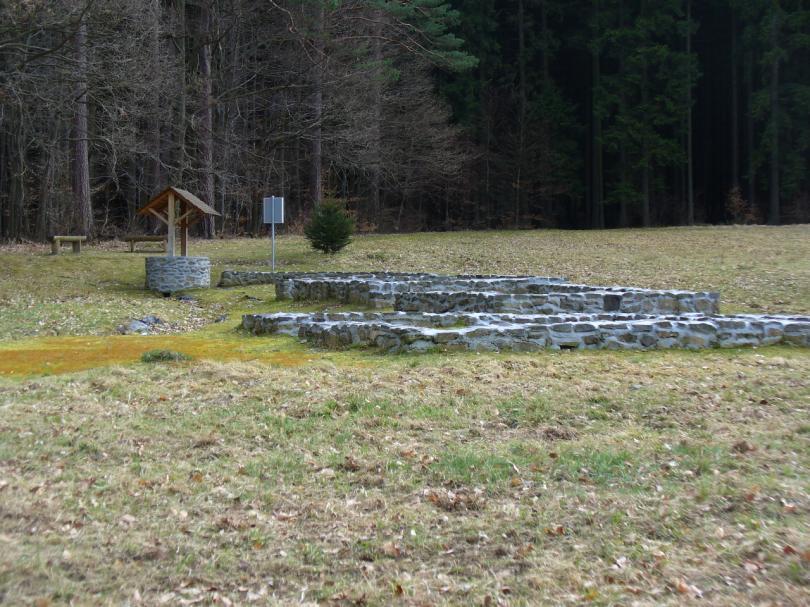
column 267, row 473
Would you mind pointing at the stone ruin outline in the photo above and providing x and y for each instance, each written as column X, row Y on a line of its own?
column 519, row 313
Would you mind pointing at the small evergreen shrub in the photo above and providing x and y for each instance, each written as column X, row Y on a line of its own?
column 330, row 228
column 163, row 356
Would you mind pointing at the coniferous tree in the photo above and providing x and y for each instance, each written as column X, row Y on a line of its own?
column 330, row 228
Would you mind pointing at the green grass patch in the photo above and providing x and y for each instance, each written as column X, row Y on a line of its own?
column 164, row 356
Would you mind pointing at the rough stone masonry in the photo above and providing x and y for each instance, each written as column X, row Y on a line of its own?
column 492, row 313
column 171, row 274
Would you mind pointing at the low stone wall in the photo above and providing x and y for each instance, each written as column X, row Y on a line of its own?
column 508, row 313
column 421, row 332
column 436, row 293
column 232, row 278
column 172, row 274
column 587, row 300
column 378, row 289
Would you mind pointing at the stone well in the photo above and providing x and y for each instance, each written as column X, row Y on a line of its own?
column 172, row 274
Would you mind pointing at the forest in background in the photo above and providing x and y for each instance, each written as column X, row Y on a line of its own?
column 423, row 114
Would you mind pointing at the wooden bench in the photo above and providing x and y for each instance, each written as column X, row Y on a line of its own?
column 76, row 241
column 133, row 238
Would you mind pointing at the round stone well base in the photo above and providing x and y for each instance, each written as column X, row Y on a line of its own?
column 172, row 274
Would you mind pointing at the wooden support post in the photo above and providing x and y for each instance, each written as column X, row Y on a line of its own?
column 171, row 225
column 184, row 231
column 77, row 246
column 55, row 246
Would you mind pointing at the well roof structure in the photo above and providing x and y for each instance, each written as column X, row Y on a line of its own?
column 160, row 203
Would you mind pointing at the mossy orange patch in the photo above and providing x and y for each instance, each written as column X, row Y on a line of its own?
column 52, row 355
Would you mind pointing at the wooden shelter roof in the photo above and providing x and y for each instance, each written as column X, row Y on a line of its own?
column 161, row 201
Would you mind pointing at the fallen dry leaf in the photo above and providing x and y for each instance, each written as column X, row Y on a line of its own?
column 392, row 549
column 743, row 447
column 688, row 589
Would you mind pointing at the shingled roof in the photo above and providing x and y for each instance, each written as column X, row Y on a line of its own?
column 161, row 201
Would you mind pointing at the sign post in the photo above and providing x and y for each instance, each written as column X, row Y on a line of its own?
column 273, row 214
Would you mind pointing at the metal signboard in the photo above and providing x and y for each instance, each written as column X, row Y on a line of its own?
column 274, row 209
column 273, row 214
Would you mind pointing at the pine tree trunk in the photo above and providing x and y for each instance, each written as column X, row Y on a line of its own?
column 207, row 117
column 486, row 121
column 690, row 186
column 17, row 192
column 597, row 193
column 623, row 219
column 522, row 113
column 735, row 105
column 316, row 157
column 645, row 191
column 646, row 215
column 749, row 128
column 180, row 155
column 548, row 200
column 81, row 153
column 481, row 201
column 773, row 206
column 623, row 210
column 154, row 128
column 5, row 185
column 377, row 83
column 45, row 191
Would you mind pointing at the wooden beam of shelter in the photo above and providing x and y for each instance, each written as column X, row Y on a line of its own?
column 183, row 217
column 159, row 216
column 176, row 207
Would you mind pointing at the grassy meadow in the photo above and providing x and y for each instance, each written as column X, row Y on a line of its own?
column 265, row 472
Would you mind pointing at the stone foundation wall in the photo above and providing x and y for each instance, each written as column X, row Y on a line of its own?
column 436, row 293
column 591, row 301
column 172, row 274
column 379, row 287
column 509, row 313
column 232, row 278
column 404, row 332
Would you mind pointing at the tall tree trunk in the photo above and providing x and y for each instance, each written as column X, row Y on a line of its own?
column 485, row 201
column 376, row 128
column 623, row 219
column 154, row 126
column 206, row 115
column 690, row 186
column 597, row 189
column 735, row 106
column 81, row 153
column 548, row 200
column 180, row 156
column 773, row 206
column 522, row 112
column 5, row 185
column 44, row 213
column 623, row 210
column 646, row 215
column 316, row 157
column 545, row 41
column 749, row 128
column 17, row 194
column 645, row 191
